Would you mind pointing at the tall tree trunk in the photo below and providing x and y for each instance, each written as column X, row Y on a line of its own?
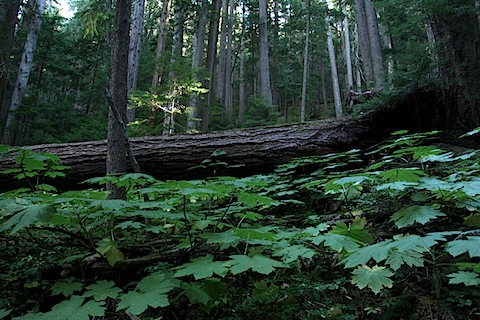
column 375, row 45
column 211, row 55
column 118, row 96
column 333, row 67
column 348, row 50
column 222, row 55
column 179, row 20
column 363, row 39
column 162, row 39
column 8, row 20
column 228, row 103
column 477, row 7
column 197, row 60
column 24, row 69
column 265, row 87
column 241, row 88
column 134, row 54
column 303, row 106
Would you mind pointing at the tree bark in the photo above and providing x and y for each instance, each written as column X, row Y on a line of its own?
column 364, row 40
column 265, row 88
column 303, row 106
column 241, row 85
column 8, row 20
column 170, row 157
column 348, row 50
column 118, row 97
column 162, row 39
column 375, row 45
column 24, row 69
column 134, row 54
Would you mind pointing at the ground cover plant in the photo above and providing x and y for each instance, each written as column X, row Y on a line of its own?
column 392, row 232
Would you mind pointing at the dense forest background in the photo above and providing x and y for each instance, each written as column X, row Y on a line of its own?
column 211, row 65
column 352, row 217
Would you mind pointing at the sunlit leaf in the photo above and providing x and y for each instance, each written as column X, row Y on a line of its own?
column 376, row 278
column 410, row 215
column 467, row 278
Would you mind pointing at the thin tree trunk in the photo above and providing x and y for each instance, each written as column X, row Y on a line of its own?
column 211, row 55
column 162, row 39
column 303, row 106
column 333, row 66
column 222, row 55
column 348, row 50
column 8, row 20
column 477, row 6
column 375, row 45
column 134, row 53
column 118, row 97
column 197, row 60
column 363, row 40
column 228, row 64
column 265, row 87
column 179, row 19
column 24, row 70
column 241, row 93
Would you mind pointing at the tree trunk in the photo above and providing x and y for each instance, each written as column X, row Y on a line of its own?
column 364, row 40
column 375, row 45
column 134, row 54
column 348, row 50
column 171, row 157
column 211, row 55
column 333, row 68
column 197, row 61
column 227, row 101
column 24, row 69
column 162, row 39
column 303, row 106
column 241, row 88
column 265, row 88
column 118, row 97
column 8, row 20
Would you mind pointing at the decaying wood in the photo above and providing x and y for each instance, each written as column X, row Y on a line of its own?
column 170, row 157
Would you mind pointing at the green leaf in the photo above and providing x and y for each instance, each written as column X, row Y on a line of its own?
column 75, row 309
column 253, row 199
column 203, row 267
column 336, row 242
column 109, row 250
column 354, row 231
column 254, row 234
column 412, row 214
column 151, row 291
column 195, row 293
column 3, row 312
column 113, row 204
column 470, row 245
column 225, row 239
column 378, row 252
column 258, row 263
column 66, row 288
column 291, row 253
column 101, row 290
column 25, row 217
column 467, row 278
column 375, row 278
column 471, row 133
column 402, row 174
column 397, row 258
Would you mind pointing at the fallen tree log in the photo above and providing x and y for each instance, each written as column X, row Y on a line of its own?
column 170, row 157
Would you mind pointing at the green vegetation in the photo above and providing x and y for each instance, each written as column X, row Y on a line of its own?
column 388, row 233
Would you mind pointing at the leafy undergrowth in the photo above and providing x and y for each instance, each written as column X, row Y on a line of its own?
column 388, row 233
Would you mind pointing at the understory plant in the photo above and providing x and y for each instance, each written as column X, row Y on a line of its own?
column 327, row 237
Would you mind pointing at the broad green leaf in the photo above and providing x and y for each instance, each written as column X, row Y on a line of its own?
column 225, row 239
column 151, row 292
column 398, row 185
column 402, row 174
column 66, row 288
column 75, row 309
column 412, row 214
column 130, row 224
column 25, row 217
column 470, row 245
column 337, row 242
column 195, row 293
column 354, row 231
column 101, row 290
column 113, row 204
column 315, row 231
column 109, row 249
column 416, row 242
column 467, row 278
column 4, row 312
column 258, row 263
column 471, row 133
column 203, row 267
column 291, row 253
column 254, row 199
column 378, row 252
column 397, row 258
column 375, row 278
column 254, row 234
